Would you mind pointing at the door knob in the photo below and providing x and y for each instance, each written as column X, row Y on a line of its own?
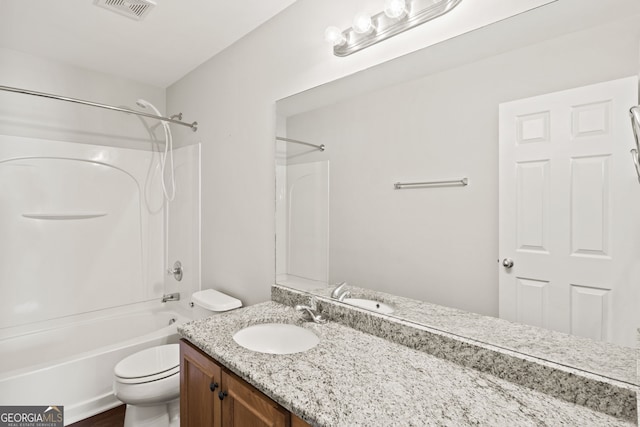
column 507, row 263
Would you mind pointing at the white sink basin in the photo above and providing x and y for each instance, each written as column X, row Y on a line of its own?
column 276, row 338
column 370, row 304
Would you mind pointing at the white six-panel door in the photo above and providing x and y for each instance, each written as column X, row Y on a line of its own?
column 569, row 212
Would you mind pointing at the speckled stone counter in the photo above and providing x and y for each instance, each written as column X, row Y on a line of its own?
column 356, row 379
column 601, row 393
column 584, row 354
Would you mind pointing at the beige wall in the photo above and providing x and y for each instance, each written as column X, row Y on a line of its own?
column 233, row 97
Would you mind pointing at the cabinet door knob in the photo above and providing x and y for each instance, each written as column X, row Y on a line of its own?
column 222, row 395
column 213, row 386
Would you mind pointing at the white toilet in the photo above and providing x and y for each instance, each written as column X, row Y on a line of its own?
column 149, row 381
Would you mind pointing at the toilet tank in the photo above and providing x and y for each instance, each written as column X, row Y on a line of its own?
column 209, row 302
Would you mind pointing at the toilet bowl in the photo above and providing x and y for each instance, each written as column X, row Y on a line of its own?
column 149, row 381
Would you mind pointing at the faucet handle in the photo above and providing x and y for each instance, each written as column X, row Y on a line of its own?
column 312, row 309
column 176, row 271
column 338, row 290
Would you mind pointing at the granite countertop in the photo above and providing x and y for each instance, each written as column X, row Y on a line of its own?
column 598, row 357
column 351, row 378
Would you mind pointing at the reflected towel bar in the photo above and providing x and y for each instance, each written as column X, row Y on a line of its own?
column 64, row 216
column 401, row 185
column 295, row 141
column 193, row 126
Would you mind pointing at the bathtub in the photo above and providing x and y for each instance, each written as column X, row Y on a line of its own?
column 70, row 361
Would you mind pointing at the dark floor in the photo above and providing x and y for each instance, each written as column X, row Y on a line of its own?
column 111, row 418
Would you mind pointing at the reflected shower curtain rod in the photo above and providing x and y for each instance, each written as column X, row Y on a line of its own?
column 295, row 141
column 193, row 126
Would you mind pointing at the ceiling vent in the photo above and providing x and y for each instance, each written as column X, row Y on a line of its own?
column 134, row 9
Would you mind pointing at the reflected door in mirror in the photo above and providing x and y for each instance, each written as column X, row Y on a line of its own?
column 566, row 194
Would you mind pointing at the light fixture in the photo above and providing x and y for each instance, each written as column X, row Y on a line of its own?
column 398, row 16
column 362, row 23
column 334, row 36
column 395, row 9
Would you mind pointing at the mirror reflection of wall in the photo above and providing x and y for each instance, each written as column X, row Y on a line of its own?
column 440, row 244
column 302, row 229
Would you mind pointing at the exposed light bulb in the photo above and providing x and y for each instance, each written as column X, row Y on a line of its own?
column 395, row 9
column 362, row 23
column 334, row 36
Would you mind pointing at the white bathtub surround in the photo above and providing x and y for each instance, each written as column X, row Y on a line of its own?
column 71, row 360
column 84, row 235
column 302, row 223
column 82, row 229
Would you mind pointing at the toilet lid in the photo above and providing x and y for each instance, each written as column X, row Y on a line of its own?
column 150, row 362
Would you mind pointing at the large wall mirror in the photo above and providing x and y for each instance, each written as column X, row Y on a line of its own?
column 533, row 113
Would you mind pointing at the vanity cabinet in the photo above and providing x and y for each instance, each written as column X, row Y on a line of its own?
column 210, row 395
column 200, row 381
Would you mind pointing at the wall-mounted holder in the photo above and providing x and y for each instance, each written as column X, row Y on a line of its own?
column 634, row 112
column 443, row 183
column 176, row 271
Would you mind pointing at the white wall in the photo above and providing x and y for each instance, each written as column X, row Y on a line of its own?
column 35, row 117
column 233, row 97
column 440, row 244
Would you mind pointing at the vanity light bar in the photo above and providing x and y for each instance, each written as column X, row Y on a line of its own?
column 382, row 26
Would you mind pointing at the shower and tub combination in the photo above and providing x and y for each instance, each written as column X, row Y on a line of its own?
column 84, row 258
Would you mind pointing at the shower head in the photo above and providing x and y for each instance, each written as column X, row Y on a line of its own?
column 168, row 150
column 146, row 104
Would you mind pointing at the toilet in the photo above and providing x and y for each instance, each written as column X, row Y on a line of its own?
column 149, row 381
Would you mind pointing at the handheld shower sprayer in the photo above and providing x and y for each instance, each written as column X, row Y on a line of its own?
column 168, row 150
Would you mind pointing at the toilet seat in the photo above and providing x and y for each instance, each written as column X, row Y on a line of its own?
column 149, row 378
column 151, row 364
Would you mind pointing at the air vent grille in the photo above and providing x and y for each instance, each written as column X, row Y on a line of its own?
column 134, row 9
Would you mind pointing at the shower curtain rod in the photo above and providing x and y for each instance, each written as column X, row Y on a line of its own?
column 193, row 126
column 318, row 147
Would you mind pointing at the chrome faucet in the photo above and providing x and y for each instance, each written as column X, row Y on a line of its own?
column 171, row 297
column 340, row 293
column 312, row 309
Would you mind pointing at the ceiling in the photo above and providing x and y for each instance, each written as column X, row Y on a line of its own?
column 173, row 39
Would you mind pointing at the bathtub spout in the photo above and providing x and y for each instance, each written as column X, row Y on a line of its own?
column 171, row 297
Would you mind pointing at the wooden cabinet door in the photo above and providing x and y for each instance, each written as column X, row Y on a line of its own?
column 244, row 406
column 200, row 383
column 298, row 422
